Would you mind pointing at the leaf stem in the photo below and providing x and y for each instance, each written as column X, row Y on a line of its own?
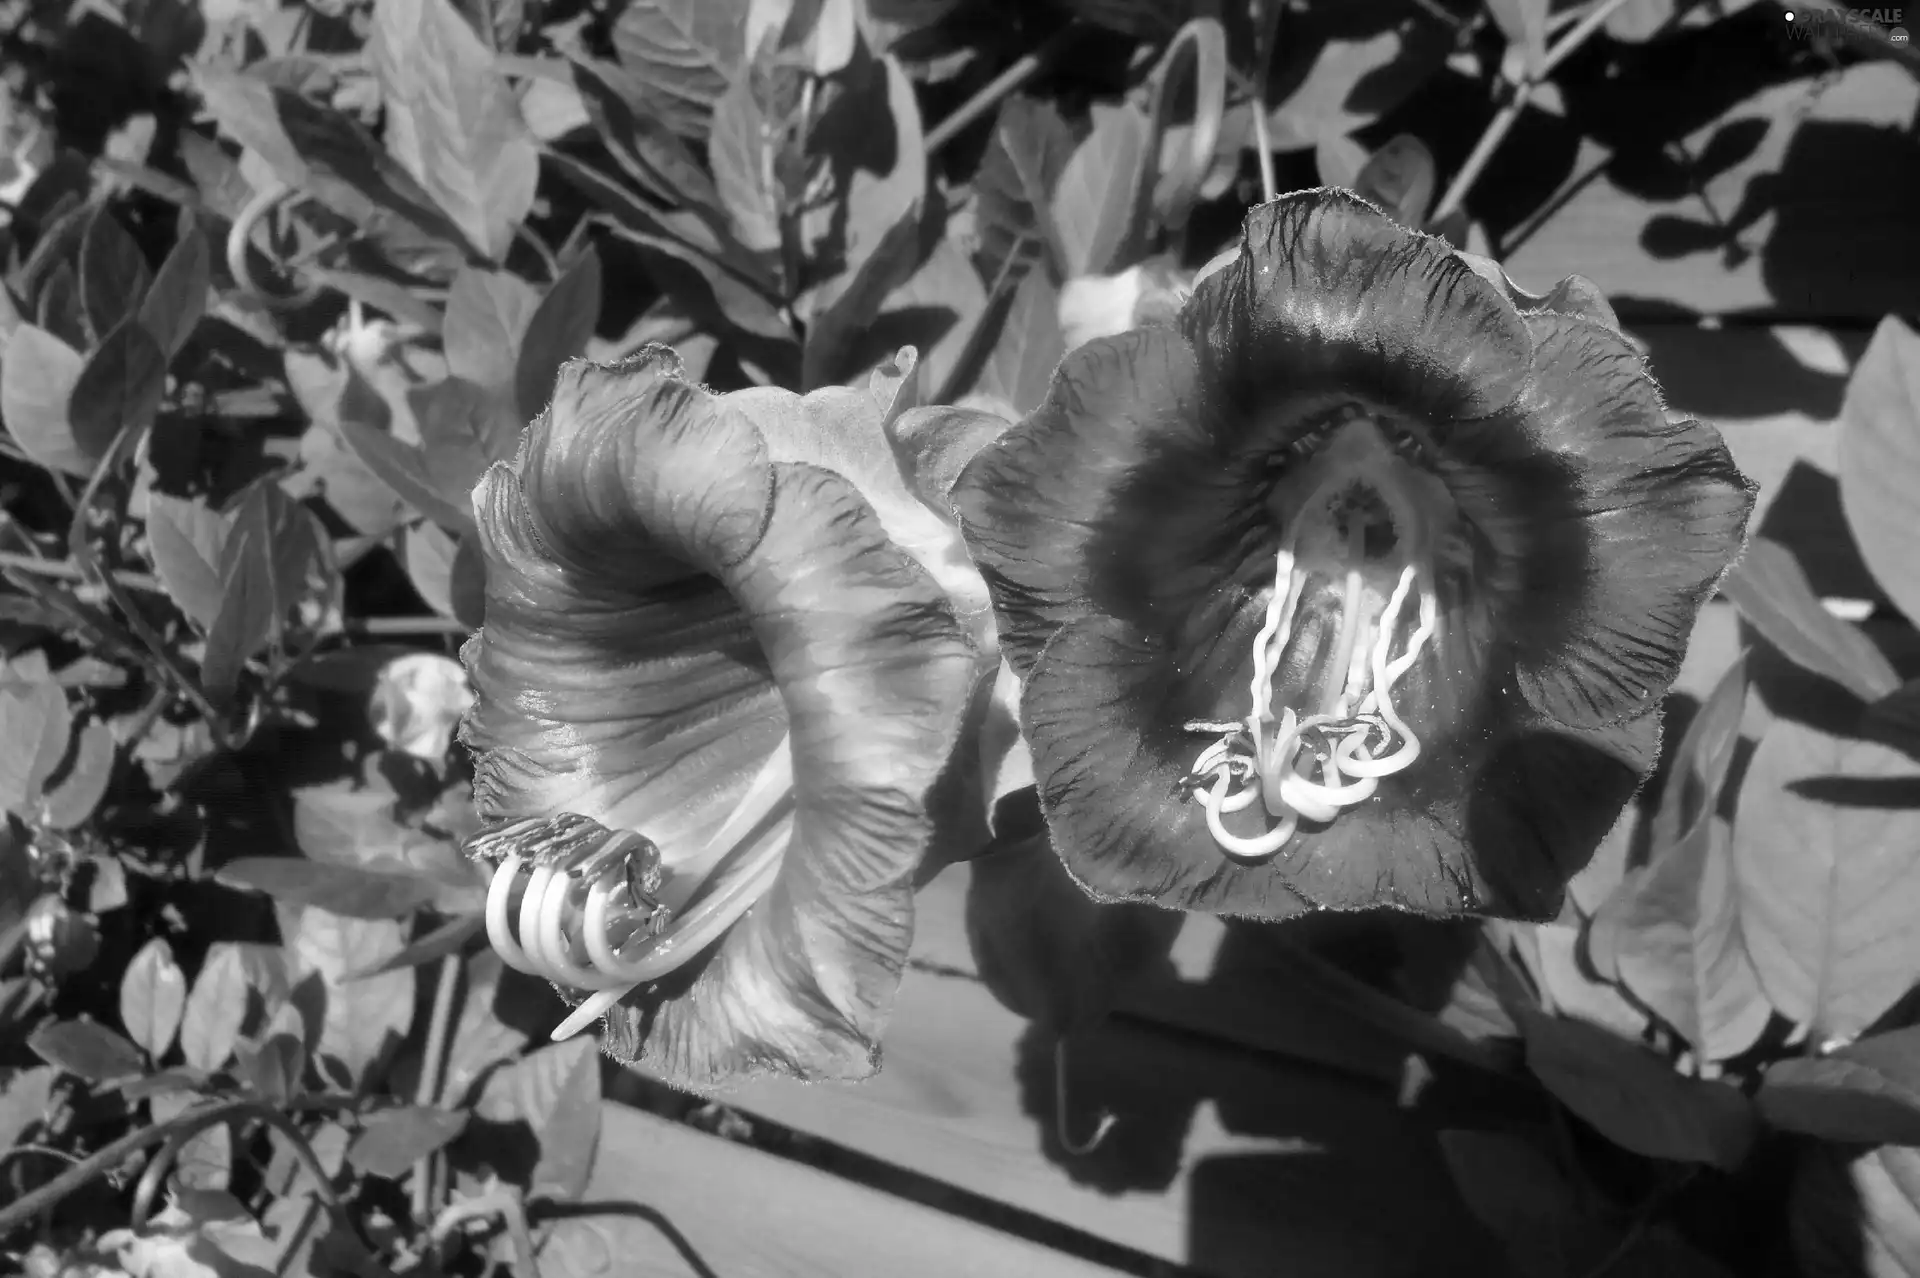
column 1490, row 140
column 67, row 570
column 383, row 627
column 1028, row 66
column 432, row 1061
column 1564, row 47
column 1266, row 17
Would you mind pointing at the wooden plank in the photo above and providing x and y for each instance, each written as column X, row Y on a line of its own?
column 1814, row 224
column 672, row 1202
column 1218, row 1159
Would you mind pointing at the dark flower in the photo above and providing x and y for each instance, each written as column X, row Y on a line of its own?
column 713, row 693
column 1359, row 584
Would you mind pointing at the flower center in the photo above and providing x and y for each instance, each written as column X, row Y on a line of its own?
column 1353, row 606
column 602, row 910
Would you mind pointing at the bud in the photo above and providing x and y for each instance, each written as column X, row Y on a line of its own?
column 417, row 702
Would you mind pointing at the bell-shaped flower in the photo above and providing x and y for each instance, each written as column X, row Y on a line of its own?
column 714, row 692
column 1359, row 584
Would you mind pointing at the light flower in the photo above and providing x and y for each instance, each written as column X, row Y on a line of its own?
column 417, row 702
column 1357, row 585
column 713, row 695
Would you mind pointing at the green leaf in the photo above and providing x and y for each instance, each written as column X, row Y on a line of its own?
column 26, row 1098
column 399, row 465
column 464, row 428
column 364, row 1020
column 72, row 797
column 1866, row 1093
column 114, row 277
column 59, row 309
column 684, row 53
column 452, row 121
column 741, row 151
column 708, row 289
column 831, row 354
column 390, row 1141
column 357, row 829
column 1635, row 1099
column 935, row 311
column 1029, row 347
column 488, row 313
column 120, row 386
column 561, row 327
column 351, row 891
column 556, row 1093
column 1771, row 591
column 1013, row 190
column 449, row 938
column 216, row 1008
column 484, row 1034
column 153, row 996
column 1097, row 206
column 272, row 1068
column 275, row 562
column 1400, row 178
column 187, row 540
column 87, row 1050
column 428, row 554
column 177, row 300
column 38, row 374
column 1827, row 863
column 1880, row 460
column 38, row 729
column 1856, row 1214
column 1700, row 765
column 204, row 1163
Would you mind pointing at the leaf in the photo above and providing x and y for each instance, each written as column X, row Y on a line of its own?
column 449, row 938
column 1866, row 1093
column 935, row 311
column 38, row 730
column 38, row 373
column 707, row 289
column 26, row 1097
column 60, row 311
column 401, row 466
column 1020, row 369
column 87, row 1050
column 72, row 799
column 1634, row 1099
column 1771, row 591
column 1400, row 178
column 356, row 828
column 556, row 1092
column 562, row 326
column 684, row 54
column 1856, row 1214
column 186, row 540
column 206, row 1161
column 829, row 356
column 464, row 428
column 351, row 891
column 153, row 996
column 120, row 386
column 1098, row 207
column 452, row 121
column 390, row 1141
column 488, row 313
column 275, row 562
column 216, row 1008
column 428, row 555
column 1013, row 190
column 273, row 1068
column 177, row 300
column 113, row 272
column 1524, row 23
column 740, row 151
column 685, row 203
column 1880, row 460
column 364, row 1020
column 482, row 1036
column 1700, row 766
column 1827, row 864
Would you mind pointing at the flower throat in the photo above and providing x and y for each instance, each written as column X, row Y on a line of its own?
column 1352, row 609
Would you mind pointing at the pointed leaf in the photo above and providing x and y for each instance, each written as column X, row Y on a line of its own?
column 38, row 374
column 392, row 1140
column 1771, row 591
column 71, row 800
column 1880, row 460
column 153, row 996
column 114, row 276
column 399, row 465
column 187, row 540
column 1827, row 864
column 176, row 301
column 366, row 1019
column 87, row 1050
column 740, row 151
column 1866, row 1093
column 683, row 198
column 1029, row 347
column 120, row 387
column 1013, row 190
column 216, row 1008
column 560, row 329
column 488, row 313
column 351, row 891
column 684, row 54
column 1097, row 206
column 38, row 729
column 452, row 121
column 1635, row 1099
column 449, row 938
column 556, row 1093
column 1700, row 765
column 464, row 428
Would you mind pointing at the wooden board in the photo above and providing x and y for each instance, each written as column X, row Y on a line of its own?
column 672, row 1202
column 1814, row 224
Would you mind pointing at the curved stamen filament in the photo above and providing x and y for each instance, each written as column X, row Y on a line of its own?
column 576, row 903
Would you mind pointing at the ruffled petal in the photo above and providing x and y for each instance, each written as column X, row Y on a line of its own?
column 665, row 602
column 1492, row 824
column 1653, row 508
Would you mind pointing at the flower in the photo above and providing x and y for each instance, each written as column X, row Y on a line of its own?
column 418, row 699
column 713, row 694
column 1357, row 585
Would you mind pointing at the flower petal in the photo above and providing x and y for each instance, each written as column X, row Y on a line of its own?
column 1494, row 824
column 665, row 602
column 875, row 674
column 1657, row 510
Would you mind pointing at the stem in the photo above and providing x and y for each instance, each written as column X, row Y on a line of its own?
column 109, row 1157
column 431, row 1063
column 67, row 570
column 1496, row 133
column 377, row 627
column 1581, row 32
column 1028, row 66
column 1266, row 17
